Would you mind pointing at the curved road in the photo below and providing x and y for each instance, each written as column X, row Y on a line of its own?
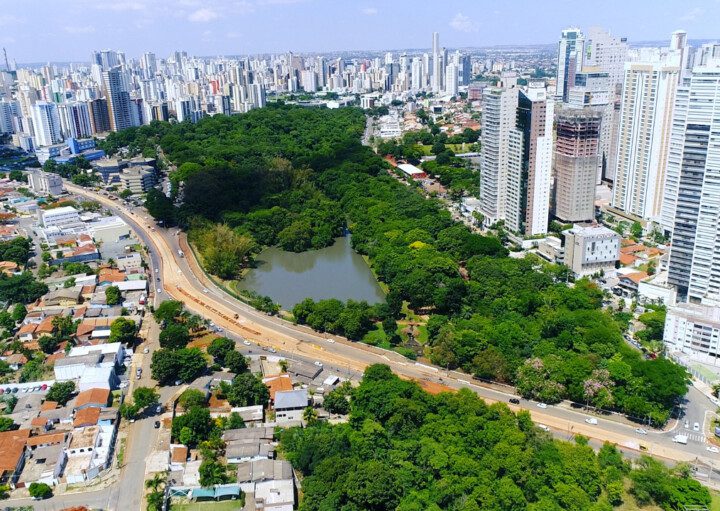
column 182, row 279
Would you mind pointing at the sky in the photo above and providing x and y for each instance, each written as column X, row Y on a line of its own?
column 68, row 30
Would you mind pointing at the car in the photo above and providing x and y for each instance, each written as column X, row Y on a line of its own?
column 687, row 425
column 156, row 425
column 543, row 427
column 272, row 350
column 146, row 350
column 591, row 420
column 542, row 405
column 157, row 270
column 159, row 290
column 178, row 382
column 132, row 420
column 157, row 278
column 640, row 431
column 318, row 363
column 205, row 290
column 138, row 376
column 124, row 384
column 331, row 341
column 514, row 400
column 247, row 343
column 158, row 409
column 696, row 426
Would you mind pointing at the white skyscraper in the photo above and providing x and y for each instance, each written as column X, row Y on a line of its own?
column 497, row 159
column 694, row 170
column 606, row 52
column 644, row 137
column 451, row 79
column 570, row 60
column 46, row 124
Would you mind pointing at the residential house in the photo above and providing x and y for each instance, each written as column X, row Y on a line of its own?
column 290, row 405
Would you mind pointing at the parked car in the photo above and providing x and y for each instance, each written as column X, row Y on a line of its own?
column 696, row 426
column 591, row 420
column 318, row 363
column 542, row 405
column 247, row 343
column 543, row 427
column 514, row 400
column 146, row 350
column 156, row 425
column 640, row 431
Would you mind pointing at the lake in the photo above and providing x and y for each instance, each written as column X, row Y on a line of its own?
column 332, row 272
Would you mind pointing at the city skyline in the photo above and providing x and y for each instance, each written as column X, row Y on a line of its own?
column 221, row 27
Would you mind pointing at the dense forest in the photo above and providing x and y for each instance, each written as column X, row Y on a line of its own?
column 294, row 177
column 406, row 450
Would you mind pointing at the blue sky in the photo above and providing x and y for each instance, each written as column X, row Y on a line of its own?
column 60, row 30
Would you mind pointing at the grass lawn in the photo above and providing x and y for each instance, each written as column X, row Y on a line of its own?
column 715, row 504
column 225, row 505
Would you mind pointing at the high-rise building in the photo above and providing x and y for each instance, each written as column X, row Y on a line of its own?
column 75, row 120
column 437, row 64
column 451, row 79
column 607, row 53
column 499, row 134
column 46, row 124
column 570, row 60
column 118, row 99
column 644, row 137
column 694, row 184
column 99, row 116
column 576, row 161
column 535, row 115
column 8, row 111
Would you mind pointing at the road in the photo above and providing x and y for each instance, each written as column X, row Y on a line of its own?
column 182, row 279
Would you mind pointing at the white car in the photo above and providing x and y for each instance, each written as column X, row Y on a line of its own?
column 318, row 363
column 272, row 350
column 713, row 450
column 159, row 290
column 146, row 350
column 591, row 420
column 157, row 270
column 247, row 343
column 640, row 431
column 542, row 405
column 205, row 290
column 543, row 427
column 331, row 341
column 696, row 426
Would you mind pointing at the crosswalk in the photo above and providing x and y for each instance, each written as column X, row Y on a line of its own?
column 697, row 437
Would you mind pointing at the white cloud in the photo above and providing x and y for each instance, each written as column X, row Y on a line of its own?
column 462, row 23
column 121, row 6
column 79, row 30
column 8, row 19
column 233, row 35
column 693, row 14
column 203, row 15
column 369, row 11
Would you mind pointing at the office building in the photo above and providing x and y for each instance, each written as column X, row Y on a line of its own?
column 99, row 116
column 644, row 138
column 693, row 191
column 591, row 249
column 118, row 99
column 44, row 183
column 497, row 160
column 529, row 214
column 138, row 179
column 570, row 60
column 576, row 162
column 46, row 123
column 693, row 329
column 75, row 120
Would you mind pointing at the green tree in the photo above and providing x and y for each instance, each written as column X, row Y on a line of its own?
column 246, row 389
column 213, row 472
column 236, row 362
column 48, row 344
column 224, row 251
column 174, row 336
column 113, row 296
column 219, row 348
column 123, row 330
column 168, row 310
column 6, row 424
column 192, row 398
column 69, row 283
column 185, row 365
column 234, row 421
column 19, row 312
column 145, row 397
column 61, row 392
column 337, row 400
column 39, row 490
column 198, row 421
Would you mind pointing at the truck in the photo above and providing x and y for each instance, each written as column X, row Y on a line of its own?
column 181, row 253
column 681, row 439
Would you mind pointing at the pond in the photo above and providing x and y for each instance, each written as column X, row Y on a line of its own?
column 332, row 272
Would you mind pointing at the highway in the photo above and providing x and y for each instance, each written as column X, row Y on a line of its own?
column 182, row 279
